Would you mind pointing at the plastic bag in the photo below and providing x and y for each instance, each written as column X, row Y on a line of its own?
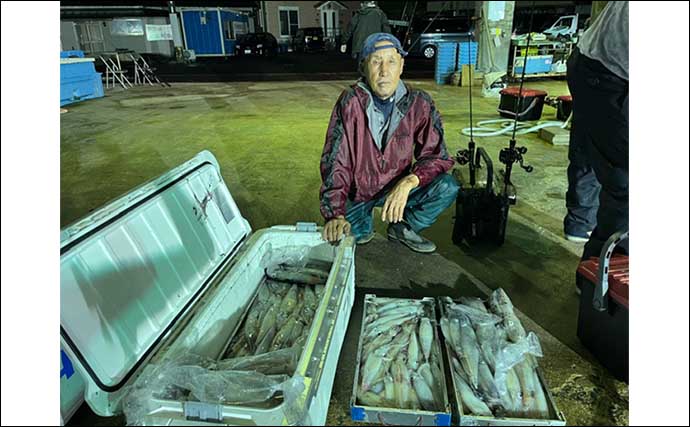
column 477, row 317
column 296, row 264
column 282, row 361
column 293, row 255
column 507, row 360
column 191, row 377
column 501, row 305
column 476, row 303
column 511, row 354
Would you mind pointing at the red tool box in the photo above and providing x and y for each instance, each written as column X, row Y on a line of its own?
column 602, row 323
column 529, row 107
column 565, row 106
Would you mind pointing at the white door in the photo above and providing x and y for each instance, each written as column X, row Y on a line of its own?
column 330, row 23
column 91, row 37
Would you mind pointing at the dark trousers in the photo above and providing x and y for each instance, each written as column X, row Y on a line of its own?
column 597, row 196
column 424, row 205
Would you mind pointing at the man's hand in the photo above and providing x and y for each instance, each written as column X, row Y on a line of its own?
column 335, row 228
column 343, row 48
column 395, row 203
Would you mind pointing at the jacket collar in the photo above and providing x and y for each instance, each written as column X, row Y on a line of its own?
column 400, row 92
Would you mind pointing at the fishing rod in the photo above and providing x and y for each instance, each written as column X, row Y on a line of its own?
column 512, row 154
column 481, row 214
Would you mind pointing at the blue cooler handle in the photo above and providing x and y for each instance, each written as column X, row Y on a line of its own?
column 600, row 299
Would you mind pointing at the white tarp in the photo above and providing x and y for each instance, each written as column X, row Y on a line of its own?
column 127, row 27
column 158, row 32
column 496, row 10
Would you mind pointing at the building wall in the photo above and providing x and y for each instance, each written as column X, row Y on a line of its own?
column 140, row 43
column 307, row 16
column 252, row 21
column 345, row 16
column 435, row 6
column 68, row 36
column 112, row 42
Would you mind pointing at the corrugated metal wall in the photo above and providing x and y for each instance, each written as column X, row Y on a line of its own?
column 227, row 16
column 202, row 31
column 205, row 34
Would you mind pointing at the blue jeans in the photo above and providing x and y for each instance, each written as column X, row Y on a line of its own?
column 424, row 205
column 597, row 197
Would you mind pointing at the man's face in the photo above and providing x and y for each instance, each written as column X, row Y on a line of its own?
column 383, row 70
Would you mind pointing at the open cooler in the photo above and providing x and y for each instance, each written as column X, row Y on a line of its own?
column 166, row 275
column 393, row 334
column 459, row 385
column 71, row 388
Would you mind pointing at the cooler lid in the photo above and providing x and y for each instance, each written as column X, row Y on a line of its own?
column 130, row 269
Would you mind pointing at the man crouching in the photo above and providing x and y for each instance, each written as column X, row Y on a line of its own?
column 378, row 126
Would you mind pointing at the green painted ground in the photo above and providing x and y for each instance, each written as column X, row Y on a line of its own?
column 268, row 139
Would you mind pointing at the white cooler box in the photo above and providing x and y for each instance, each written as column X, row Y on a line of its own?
column 71, row 388
column 170, row 269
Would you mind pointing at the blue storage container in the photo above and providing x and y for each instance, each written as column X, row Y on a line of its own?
column 202, row 31
column 79, row 80
column 206, row 30
column 72, row 54
column 445, row 62
column 535, row 64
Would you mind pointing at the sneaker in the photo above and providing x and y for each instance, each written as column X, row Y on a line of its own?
column 578, row 238
column 402, row 233
column 366, row 239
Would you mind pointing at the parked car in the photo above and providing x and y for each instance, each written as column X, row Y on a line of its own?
column 263, row 44
column 425, row 34
column 308, row 40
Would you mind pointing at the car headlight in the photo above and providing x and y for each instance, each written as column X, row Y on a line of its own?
column 259, row 46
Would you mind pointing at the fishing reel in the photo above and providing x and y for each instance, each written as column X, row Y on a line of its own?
column 481, row 209
column 513, row 154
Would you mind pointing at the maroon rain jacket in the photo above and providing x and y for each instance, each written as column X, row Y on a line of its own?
column 353, row 167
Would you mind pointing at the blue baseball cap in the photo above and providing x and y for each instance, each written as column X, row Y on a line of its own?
column 369, row 45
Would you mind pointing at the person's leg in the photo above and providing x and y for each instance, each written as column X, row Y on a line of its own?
column 613, row 206
column 582, row 197
column 359, row 215
column 425, row 204
column 606, row 99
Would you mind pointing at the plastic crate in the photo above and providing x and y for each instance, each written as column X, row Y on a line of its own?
column 467, row 53
column 445, row 62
